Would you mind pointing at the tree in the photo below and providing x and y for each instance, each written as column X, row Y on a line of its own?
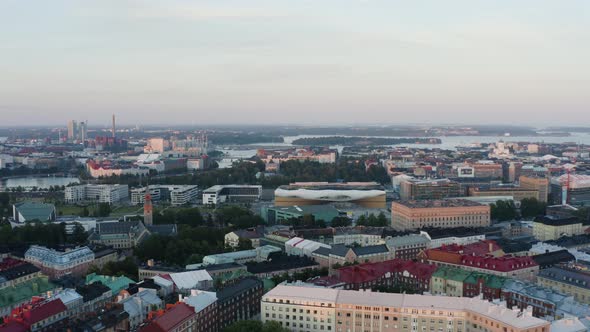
column 341, row 222
column 85, row 212
column 531, row 207
column 104, row 210
column 503, row 210
column 79, row 235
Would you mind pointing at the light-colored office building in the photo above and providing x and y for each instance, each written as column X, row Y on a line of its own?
column 99, row 193
column 220, row 194
column 449, row 213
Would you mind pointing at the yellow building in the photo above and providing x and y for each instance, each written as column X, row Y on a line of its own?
column 547, row 228
column 568, row 281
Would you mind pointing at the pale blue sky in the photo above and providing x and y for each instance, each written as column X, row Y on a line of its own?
column 288, row 61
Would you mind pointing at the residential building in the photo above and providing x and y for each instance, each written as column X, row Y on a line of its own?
column 179, row 317
column 107, row 169
column 550, row 259
column 300, row 247
column 546, row 228
column 139, row 305
column 406, row 275
column 567, row 280
column 300, row 308
column 416, row 189
column 36, row 315
column 457, row 282
column 239, row 300
column 365, row 194
column 340, row 254
column 14, row 272
column 538, row 183
column 252, row 235
column 14, row 296
column 184, row 282
column 94, row 296
column 407, row 246
column 409, row 215
column 220, row 194
column 545, row 302
column 205, row 307
column 359, row 235
column 115, row 283
column 97, row 193
column 57, row 264
column 482, row 260
column 459, row 235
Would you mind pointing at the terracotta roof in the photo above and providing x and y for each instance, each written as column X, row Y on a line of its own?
column 170, row 319
column 44, row 311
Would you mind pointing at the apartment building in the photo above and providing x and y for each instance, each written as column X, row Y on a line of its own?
column 57, row 264
column 538, row 183
column 567, row 280
column 301, row 309
column 547, row 228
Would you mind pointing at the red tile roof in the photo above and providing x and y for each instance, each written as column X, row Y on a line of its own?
column 44, row 311
column 13, row 327
column 373, row 271
column 171, row 318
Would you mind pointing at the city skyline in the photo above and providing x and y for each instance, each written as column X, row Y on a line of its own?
column 328, row 62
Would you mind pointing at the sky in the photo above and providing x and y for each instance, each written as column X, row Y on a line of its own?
column 295, row 61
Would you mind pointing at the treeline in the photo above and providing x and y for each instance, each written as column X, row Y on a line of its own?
column 225, row 138
column 505, row 210
column 44, row 234
column 364, row 141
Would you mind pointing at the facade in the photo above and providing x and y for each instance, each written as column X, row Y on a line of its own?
column 451, row 213
column 365, row 194
column 546, row 228
column 540, row 184
column 97, row 169
column 573, row 189
column 220, row 194
column 32, row 211
column 139, row 305
column 184, row 195
column 317, row 309
column 567, row 280
column 253, row 235
column 98, row 193
column 459, row 236
column 239, row 300
column 57, row 264
column 414, row 189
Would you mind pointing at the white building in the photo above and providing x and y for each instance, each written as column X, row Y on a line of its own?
column 300, row 247
column 231, row 193
column 259, row 254
column 186, row 281
column 99, row 193
column 175, row 194
column 459, row 239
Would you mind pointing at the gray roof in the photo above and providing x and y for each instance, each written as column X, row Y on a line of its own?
column 370, row 250
column 168, row 229
column 115, row 227
column 407, row 240
column 35, row 210
column 574, row 278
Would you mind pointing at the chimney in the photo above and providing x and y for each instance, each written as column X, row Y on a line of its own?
column 490, row 246
column 113, row 129
column 179, row 297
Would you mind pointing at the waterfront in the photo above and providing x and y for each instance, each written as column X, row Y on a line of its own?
column 40, row 182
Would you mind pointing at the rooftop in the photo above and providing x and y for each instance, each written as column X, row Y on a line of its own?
column 443, row 203
column 474, row 305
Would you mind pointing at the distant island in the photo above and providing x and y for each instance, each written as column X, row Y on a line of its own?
column 356, row 141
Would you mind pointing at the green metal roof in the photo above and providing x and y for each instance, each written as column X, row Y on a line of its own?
column 490, row 280
column 23, row 292
column 450, row 273
column 116, row 284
